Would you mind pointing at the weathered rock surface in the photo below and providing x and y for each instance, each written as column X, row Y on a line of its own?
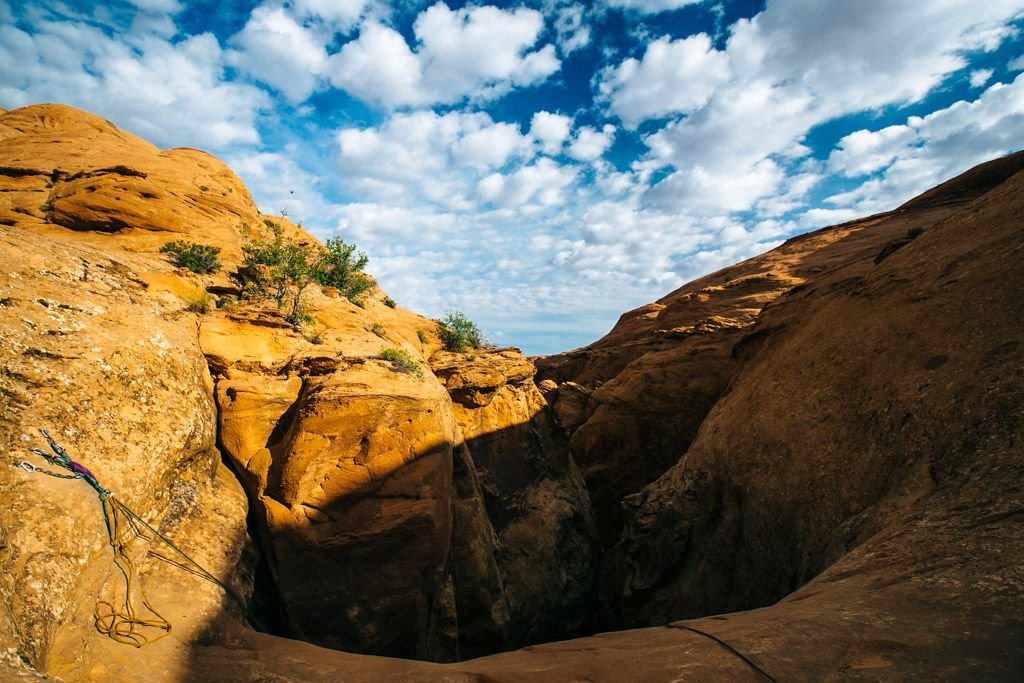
column 89, row 354
column 64, row 167
column 350, row 466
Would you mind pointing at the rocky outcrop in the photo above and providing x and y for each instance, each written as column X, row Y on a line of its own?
column 375, row 526
column 115, row 373
column 862, row 468
column 349, row 465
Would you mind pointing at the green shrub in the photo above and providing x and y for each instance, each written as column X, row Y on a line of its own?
column 422, row 336
column 341, row 267
column 379, row 330
column 914, row 233
column 389, row 302
column 281, row 269
column 227, row 302
column 199, row 258
column 459, row 333
column 402, row 359
column 278, row 268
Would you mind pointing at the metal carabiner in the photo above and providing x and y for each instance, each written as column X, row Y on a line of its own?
column 27, row 466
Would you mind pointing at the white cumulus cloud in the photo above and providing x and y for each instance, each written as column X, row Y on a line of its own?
column 672, row 77
column 276, row 49
column 550, row 131
column 921, row 153
column 590, row 143
column 173, row 94
column 474, row 52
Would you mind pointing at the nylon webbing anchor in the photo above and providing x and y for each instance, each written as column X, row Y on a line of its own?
column 125, row 624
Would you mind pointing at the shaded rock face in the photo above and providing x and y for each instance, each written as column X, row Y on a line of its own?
column 863, row 402
column 632, row 402
column 351, row 476
column 545, row 552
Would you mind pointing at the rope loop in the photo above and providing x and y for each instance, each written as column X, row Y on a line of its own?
column 123, row 624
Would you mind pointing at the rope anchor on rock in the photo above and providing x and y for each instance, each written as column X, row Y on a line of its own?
column 125, row 625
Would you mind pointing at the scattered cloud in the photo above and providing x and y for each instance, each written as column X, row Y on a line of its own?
column 652, row 6
column 423, row 156
column 277, row 50
column 339, row 14
column 475, row 52
column 672, row 77
column 980, row 77
column 143, row 83
column 907, row 159
column 589, row 143
column 550, row 131
column 647, row 157
column 572, row 31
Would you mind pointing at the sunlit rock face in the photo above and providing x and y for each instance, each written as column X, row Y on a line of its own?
column 113, row 369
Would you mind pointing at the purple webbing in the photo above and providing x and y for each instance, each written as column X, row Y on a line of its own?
column 80, row 469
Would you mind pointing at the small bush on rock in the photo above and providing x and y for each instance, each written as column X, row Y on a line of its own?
column 199, row 258
column 458, row 333
column 341, row 267
column 402, row 359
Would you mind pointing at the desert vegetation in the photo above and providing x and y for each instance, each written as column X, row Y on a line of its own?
column 280, row 268
column 199, row 258
column 458, row 333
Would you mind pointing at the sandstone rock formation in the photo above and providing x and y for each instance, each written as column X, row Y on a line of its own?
column 833, row 427
column 355, row 468
column 114, row 372
column 870, row 431
column 876, row 396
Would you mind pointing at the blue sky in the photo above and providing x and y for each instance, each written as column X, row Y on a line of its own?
column 544, row 166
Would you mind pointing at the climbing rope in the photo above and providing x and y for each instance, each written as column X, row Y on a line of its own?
column 749, row 662
column 124, row 624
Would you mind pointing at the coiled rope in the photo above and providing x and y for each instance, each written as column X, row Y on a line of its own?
column 125, row 624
